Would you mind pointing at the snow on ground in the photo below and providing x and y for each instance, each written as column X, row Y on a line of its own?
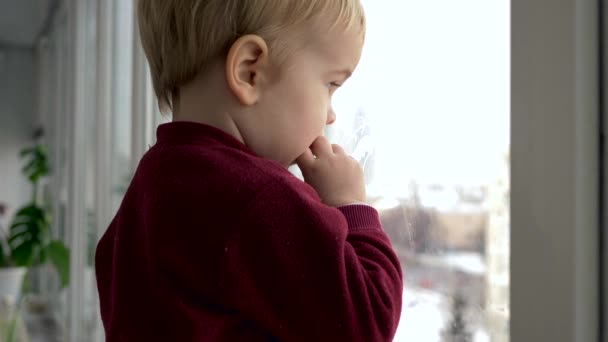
column 423, row 317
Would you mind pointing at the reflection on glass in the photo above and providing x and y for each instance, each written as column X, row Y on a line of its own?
column 427, row 116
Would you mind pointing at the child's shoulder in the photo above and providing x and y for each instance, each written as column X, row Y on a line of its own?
column 216, row 166
column 197, row 159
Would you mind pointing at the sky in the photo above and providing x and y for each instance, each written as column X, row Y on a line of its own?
column 434, row 81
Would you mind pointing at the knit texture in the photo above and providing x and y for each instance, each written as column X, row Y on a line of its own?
column 214, row 243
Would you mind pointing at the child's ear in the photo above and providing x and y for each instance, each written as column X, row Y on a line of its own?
column 246, row 63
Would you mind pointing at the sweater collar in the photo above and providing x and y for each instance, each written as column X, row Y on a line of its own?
column 194, row 133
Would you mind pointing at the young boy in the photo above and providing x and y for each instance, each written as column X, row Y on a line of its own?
column 215, row 240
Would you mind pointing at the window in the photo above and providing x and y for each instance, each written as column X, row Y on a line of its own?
column 90, row 63
column 122, row 110
column 427, row 116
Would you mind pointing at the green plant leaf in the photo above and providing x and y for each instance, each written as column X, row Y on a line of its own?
column 30, row 211
column 42, row 256
column 29, row 150
column 4, row 261
column 59, row 255
column 30, row 167
column 28, row 235
column 23, row 255
column 26, row 231
column 29, row 240
column 36, row 163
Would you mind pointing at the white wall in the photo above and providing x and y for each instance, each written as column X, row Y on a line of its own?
column 17, row 115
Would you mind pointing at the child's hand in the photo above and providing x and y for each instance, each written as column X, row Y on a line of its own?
column 337, row 177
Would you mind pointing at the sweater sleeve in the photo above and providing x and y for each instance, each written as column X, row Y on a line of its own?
column 309, row 272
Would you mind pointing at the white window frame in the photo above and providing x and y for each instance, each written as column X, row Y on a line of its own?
column 603, row 12
column 143, row 113
column 555, row 178
column 105, row 53
column 76, row 219
column 103, row 199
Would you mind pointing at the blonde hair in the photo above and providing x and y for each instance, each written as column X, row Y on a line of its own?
column 181, row 37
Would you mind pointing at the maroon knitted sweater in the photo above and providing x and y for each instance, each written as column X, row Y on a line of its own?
column 213, row 243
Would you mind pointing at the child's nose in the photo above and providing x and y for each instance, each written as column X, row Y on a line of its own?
column 331, row 117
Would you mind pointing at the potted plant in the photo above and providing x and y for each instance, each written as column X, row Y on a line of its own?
column 28, row 241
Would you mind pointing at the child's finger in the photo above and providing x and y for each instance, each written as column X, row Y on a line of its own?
column 306, row 159
column 337, row 149
column 321, row 147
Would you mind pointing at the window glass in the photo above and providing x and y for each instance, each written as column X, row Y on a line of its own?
column 427, row 115
column 122, row 116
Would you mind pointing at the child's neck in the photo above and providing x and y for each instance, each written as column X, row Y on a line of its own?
column 205, row 100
